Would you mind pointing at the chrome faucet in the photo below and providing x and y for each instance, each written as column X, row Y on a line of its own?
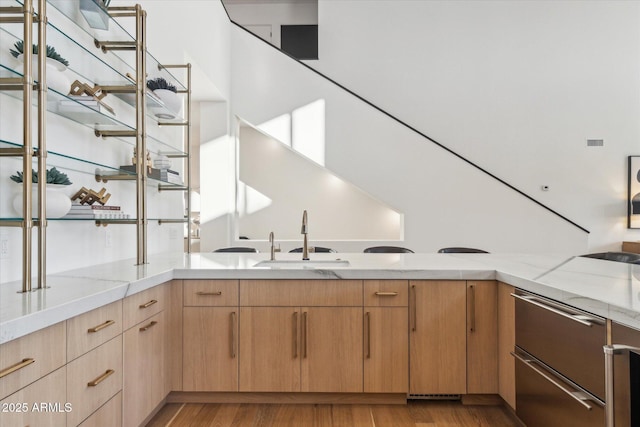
column 273, row 248
column 304, row 232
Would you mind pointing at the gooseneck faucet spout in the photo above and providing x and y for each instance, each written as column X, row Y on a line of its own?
column 273, row 247
column 304, row 232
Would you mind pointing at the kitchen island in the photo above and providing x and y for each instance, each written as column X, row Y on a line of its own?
column 224, row 327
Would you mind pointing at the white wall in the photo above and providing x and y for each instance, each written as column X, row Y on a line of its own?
column 445, row 202
column 515, row 86
column 274, row 15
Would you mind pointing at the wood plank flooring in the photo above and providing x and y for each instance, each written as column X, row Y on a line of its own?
column 414, row 414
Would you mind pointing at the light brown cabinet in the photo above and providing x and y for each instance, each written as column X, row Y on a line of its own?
column 210, row 335
column 438, row 339
column 301, row 336
column 482, row 337
column 386, row 337
column 210, row 342
column 145, row 368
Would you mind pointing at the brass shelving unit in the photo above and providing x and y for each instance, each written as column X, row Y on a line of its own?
column 132, row 89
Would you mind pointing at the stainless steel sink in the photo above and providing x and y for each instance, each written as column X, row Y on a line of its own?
column 329, row 263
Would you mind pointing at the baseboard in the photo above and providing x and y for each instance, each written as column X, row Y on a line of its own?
column 482, row 399
column 292, row 398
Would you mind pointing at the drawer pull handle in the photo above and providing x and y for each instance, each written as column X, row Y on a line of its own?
column 295, row 334
column 233, row 334
column 413, row 308
column 101, row 378
column 578, row 396
column 16, row 367
column 584, row 320
column 304, row 334
column 368, row 317
column 148, row 304
column 202, row 293
column 101, row 326
column 149, row 326
column 386, row 294
column 472, row 308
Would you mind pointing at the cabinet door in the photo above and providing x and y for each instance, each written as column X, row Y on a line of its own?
column 506, row 344
column 482, row 337
column 144, row 369
column 331, row 349
column 386, row 346
column 438, row 337
column 269, row 349
column 210, row 361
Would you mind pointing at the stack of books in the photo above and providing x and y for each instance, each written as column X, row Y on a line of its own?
column 79, row 211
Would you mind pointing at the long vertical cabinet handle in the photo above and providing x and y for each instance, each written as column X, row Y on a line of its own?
column 233, row 334
column 368, row 324
column 609, row 352
column 295, row 334
column 472, row 308
column 414, row 315
column 304, row 334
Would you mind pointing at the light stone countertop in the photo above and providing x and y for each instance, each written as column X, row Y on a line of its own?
column 606, row 288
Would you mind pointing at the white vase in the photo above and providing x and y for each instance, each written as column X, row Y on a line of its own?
column 56, row 76
column 58, row 204
column 172, row 102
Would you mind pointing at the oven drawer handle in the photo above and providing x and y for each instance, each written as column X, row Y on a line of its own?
column 609, row 352
column 580, row 318
column 578, row 396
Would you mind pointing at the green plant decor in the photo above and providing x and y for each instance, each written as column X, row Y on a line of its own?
column 160, row 83
column 54, row 176
column 51, row 52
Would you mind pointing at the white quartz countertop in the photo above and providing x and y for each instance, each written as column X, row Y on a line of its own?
column 606, row 288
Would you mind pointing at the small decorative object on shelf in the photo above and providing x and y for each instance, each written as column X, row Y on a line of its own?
column 95, row 13
column 90, row 96
column 87, row 196
column 168, row 94
column 56, row 66
column 57, row 203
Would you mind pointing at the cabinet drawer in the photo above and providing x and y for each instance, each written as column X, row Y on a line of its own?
column 211, row 293
column 143, row 305
column 89, row 330
column 110, row 414
column 26, row 359
column 301, row 292
column 386, row 293
column 93, row 379
column 40, row 404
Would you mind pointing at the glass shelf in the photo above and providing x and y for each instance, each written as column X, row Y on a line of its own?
column 87, row 116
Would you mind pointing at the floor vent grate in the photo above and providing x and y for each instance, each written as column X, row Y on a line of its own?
column 435, row 396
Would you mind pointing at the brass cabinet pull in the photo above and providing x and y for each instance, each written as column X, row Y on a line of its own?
column 304, row 334
column 295, row 334
column 472, row 308
column 386, row 294
column 16, row 367
column 233, row 334
column 147, row 327
column 368, row 317
column 101, row 378
column 414, row 304
column 148, row 304
column 101, row 326
column 203, row 293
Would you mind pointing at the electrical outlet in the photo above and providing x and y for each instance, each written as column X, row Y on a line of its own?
column 4, row 247
column 173, row 233
column 108, row 240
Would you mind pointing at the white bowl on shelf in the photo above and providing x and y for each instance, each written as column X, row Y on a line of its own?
column 56, row 76
column 58, row 204
column 172, row 104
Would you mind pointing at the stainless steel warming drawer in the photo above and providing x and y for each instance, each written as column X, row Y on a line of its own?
column 566, row 339
column 560, row 369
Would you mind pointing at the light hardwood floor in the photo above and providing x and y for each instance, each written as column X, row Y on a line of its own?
column 414, row 414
